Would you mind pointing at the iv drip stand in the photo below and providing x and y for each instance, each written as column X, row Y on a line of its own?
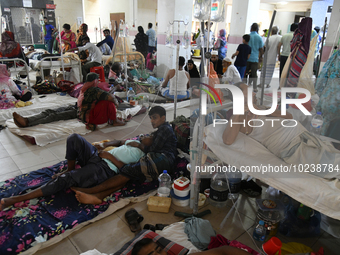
column 178, row 42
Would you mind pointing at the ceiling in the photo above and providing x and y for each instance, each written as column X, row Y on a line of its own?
column 290, row 5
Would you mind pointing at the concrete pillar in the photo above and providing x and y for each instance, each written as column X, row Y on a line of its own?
column 243, row 14
column 332, row 33
column 168, row 11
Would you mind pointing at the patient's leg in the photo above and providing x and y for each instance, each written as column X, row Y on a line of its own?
column 77, row 148
column 111, row 185
column 19, row 120
column 96, row 198
column 5, row 202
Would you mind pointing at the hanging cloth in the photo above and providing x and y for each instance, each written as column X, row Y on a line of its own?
column 299, row 50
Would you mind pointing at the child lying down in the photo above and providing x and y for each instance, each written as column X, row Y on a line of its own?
column 96, row 166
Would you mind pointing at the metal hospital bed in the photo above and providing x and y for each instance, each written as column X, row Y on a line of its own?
column 19, row 65
column 315, row 192
column 54, row 62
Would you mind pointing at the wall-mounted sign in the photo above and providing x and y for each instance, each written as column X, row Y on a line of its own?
column 27, row 3
column 50, row 6
column 329, row 8
column 7, row 10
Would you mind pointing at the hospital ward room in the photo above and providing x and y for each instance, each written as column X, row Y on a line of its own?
column 211, row 134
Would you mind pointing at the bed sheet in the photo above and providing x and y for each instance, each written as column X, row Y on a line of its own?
column 51, row 132
column 50, row 101
column 320, row 194
column 41, row 222
column 38, row 223
column 44, row 134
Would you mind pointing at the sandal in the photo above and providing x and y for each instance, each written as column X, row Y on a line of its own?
column 134, row 219
column 161, row 226
column 150, row 227
column 251, row 188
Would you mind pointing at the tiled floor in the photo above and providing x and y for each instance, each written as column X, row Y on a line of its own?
column 109, row 234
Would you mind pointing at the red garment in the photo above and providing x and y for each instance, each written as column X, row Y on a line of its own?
column 149, row 64
column 102, row 113
column 9, row 48
column 219, row 240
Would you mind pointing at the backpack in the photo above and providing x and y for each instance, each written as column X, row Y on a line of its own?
column 181, row 127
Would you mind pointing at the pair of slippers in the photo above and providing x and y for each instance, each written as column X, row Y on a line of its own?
column 251, row 188
column 134, row 219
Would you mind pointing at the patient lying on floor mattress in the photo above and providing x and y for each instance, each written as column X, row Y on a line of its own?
column 96, row 167
column 289, row 141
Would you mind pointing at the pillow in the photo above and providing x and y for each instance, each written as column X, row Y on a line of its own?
column 169, row 246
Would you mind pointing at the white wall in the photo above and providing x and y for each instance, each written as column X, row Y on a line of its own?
column 68, row 11
column 146, row 11
column 283, row 20
column 95, row 9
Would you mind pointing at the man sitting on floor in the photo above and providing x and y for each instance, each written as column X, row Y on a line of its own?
column 95, row 56
column 159, row 156
column 95, row 167
column 182, row 85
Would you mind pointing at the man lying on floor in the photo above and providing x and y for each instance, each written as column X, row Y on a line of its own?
column 95, row 167
column 102, row 167
column 159, row 156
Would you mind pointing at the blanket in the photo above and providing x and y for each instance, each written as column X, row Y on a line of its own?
column 35, row 221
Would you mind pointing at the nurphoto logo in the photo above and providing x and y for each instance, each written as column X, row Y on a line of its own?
column 238, row 103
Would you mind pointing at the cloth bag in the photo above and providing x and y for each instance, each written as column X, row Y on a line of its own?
column 199, row 232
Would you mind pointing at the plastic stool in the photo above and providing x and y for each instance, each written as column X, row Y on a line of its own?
column 100, row 71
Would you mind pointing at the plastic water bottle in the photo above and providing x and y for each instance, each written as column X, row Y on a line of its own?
column 316, row 123
column 164, row 184
column 260, row 232
column 218, row 190
column 234, row 179
column 130, row 94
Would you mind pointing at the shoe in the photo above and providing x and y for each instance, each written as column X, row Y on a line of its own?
column 255, row 90
column 161, row 226
column 150, row 227
column 134, row 219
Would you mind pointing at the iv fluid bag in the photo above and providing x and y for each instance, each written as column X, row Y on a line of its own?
column 218, row 10
column 169, row 37
column 126, row 30
column 122, row 29
column 201, row 9
column 186, row 39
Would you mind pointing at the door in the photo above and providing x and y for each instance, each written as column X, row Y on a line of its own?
column 116, row 17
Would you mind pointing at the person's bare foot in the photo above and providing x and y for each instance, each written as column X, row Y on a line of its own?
column 118, row 122
column 90, row 199
column 83, row 190
column 19, row 120
column 5, row 202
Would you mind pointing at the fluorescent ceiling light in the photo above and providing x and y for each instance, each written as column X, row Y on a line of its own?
column 283, row 3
